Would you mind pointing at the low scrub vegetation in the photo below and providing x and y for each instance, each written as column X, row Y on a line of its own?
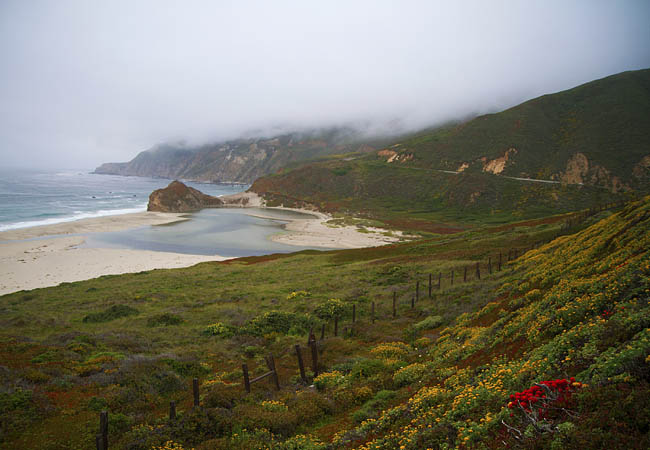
column 553, row 351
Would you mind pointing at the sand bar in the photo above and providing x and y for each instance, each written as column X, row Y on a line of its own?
column 314, row 231
column 31, row 264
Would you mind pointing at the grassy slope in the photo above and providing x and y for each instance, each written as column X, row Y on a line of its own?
column 608, row 120
column 389, row 192
column 538, row 319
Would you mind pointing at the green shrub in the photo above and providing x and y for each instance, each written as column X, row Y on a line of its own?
column 219, row 329
column 328, row 380
column 372, row 407
column 279, row 322
column 328, row 310
column 411, row 374
column 164, row 319
column 366, row 368
column 112, row 313
column 97, row 403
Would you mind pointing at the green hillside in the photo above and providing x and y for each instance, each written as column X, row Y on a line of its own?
column 591, row 141
column 440, row 374
column 607, row 120
column 396, row 193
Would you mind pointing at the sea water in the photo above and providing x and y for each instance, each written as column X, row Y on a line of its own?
column 33, row 198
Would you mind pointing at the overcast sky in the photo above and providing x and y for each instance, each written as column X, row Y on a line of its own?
column 85, row 82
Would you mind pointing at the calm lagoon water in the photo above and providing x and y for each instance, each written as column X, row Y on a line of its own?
column 230, row 232
column 32, row 198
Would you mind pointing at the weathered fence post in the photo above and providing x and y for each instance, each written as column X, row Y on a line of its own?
column 465, row 274
column 439, row 280
column 478, row 270
column 372, row 314
column 314, row 359
column 452, row 277
column 172, row 411
column 103, row 429
column 270, row 362
column 195, row 390
column 489, row 265
column 430, row 285
column 301, row 364
column 417, row 290
column 99, row 443
column 336, row 325
column 354, row 313
column 394, row 304
column 247, row 382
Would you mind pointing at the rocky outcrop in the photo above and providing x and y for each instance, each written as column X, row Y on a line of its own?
column 177, row 197
column 579, row 170
column 496, row 166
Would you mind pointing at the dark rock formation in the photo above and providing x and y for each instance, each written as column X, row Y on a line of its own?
column 177, row 197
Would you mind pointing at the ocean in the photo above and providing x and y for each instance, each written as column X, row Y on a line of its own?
column 32, row 198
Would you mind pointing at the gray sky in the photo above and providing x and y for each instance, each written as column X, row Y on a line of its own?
column 85, row 82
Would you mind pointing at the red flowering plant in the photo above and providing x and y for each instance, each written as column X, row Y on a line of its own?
column 539, row 408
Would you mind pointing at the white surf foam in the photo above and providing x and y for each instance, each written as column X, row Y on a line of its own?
column 77, row 216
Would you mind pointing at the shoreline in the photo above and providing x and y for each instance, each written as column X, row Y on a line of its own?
column 48, row 255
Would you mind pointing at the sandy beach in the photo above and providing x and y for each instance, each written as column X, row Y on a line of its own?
column 48, row 255
column 35, row 263
column 316, row 232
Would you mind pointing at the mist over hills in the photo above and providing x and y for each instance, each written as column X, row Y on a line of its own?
column 594, row 134
column 243, row 160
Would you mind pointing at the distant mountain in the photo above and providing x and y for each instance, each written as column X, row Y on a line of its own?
column 576, row 148
column 241, row 160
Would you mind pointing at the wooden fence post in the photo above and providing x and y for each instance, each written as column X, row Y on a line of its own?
column 373, row 312
column 301, row 364
column 439, row 280
column 478, row 270
column 99, row 443
column 103, row 429
column 394, row 304
column 417, row 290
column 465, row 274
column 354, row 313
column 270, row 362
column 172, row 411
column 314, row 359
column 336, row 325
column 430, row 285
column 247, row 382
column 195, row 390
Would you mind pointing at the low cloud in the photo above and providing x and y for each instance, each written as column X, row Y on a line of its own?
column 89, row 82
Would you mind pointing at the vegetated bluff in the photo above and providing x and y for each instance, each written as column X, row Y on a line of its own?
column 241, row 160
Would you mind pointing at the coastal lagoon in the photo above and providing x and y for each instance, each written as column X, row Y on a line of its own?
column 228, row 232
